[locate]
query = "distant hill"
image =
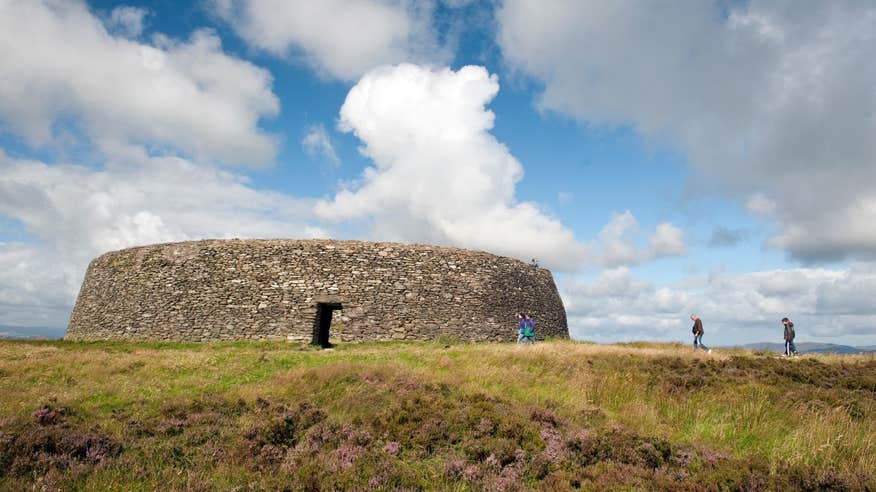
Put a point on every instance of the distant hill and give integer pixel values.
(810, 348)
(17, 332)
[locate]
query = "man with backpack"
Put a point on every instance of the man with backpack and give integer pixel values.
(790, 349)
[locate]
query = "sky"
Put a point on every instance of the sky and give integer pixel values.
(661, 159)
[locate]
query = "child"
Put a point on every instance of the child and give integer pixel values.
(521, 327)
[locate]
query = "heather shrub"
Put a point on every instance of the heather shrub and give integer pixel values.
(49, 443)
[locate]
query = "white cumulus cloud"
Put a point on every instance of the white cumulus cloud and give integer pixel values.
(439, 175)
(127, 20)
(317, 142)
(616, 244)
(35, 289)
(827, 305)
(667, 241)
(770, 99)
(62, 67)
(74, 213)
(341, 39)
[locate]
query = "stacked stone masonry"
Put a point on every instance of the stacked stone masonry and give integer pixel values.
(270, 289)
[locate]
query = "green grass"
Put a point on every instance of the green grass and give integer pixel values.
(443, 415)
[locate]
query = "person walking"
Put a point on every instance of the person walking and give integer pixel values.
(697, 330)
(529, 328)
(521, 328)
(790, 348)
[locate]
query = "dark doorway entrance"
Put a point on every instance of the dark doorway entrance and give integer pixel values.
(323, 322)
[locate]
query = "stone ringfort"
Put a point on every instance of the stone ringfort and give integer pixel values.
(308, 290)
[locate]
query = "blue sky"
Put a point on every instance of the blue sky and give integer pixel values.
(660, 160)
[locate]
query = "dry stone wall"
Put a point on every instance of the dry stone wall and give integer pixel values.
(270, 289)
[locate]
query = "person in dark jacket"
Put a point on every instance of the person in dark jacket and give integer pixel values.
(697, 330)
(790, 349)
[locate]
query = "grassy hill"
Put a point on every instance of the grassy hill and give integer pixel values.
(809, 348)
(561, 415)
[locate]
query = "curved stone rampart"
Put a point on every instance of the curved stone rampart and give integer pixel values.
(276, 289)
